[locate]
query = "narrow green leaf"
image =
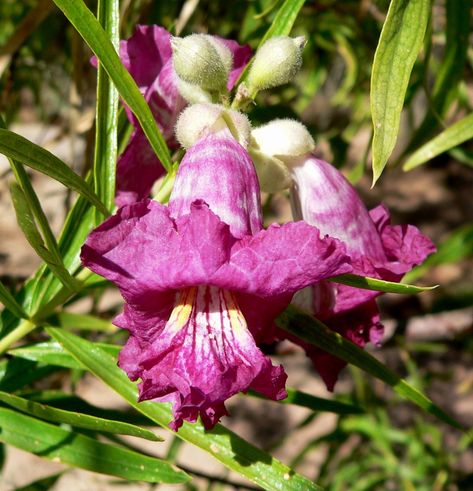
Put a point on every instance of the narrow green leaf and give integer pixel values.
(52, 353)
(27, 224)
(454, 135)
(457, 247)
(399, 44)
(61, 445)
(367, 283)
(22, 150)
(94, 35)
(71, 402)
(10, 302)
(70, 320)
(309, 401)
(16, 373)
(106, 144)
(450, 72)
(75, 419)
(227, 447)
(36, 209)
(43, 484)
(314, 332)
(281, 26)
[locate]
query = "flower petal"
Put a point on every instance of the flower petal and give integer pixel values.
(204, 355)
(145, 53)
(282, 260)
(137, 170)
(218, 170)
(324, 198)
(144, 251)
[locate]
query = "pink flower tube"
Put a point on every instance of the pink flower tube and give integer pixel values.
(203, 281)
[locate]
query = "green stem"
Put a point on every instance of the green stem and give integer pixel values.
(24, 328)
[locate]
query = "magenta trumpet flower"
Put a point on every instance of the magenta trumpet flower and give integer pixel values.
(324, 198)
(147, 55)
(203, 282)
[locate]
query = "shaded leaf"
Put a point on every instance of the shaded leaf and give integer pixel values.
(315, 332)
(27, 224)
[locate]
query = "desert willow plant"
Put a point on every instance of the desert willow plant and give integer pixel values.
(205, 285)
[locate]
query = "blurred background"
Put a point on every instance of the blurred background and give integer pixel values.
(47, 94)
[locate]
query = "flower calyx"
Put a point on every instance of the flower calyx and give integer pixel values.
(276, 146)
(200, 119)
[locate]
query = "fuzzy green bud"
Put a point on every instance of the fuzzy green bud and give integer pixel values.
(199, 60)
(276, 62)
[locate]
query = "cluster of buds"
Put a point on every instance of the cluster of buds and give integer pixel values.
(203, 281)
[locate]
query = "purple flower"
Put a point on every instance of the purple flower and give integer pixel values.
(203, 282)
(324, 198)
(147, 55)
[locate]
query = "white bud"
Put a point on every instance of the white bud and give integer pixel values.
(200, 119)
(283, 138)
(197, 61)
(192, 93)
(225, 54)
(273, 174)
(272, 148)
(276, 62)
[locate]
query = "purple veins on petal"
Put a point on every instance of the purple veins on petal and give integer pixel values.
(324, 198)
(203, 283)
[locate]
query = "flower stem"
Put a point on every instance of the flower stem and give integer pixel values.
(25, 327)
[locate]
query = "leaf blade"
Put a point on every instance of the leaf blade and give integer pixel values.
(94, 35)
(106, 133)
(55, 443)
(234, 452)
(453, 136)
(367, 283)
(22, 150)
(315, 332)
(78, 420)
(399, 44)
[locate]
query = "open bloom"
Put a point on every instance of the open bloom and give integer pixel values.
(203, 282)
(147, 55)
(322, 197)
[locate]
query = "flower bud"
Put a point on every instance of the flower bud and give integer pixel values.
(272, 148)
(200, 60)
(199, 119)
(276, 62)
(192, 93)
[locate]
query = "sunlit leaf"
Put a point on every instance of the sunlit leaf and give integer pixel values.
(454, 135)
(106, 132)
(399, 44)
(367, 283)
(65, 446)
(94, 35)
(315, 332)
(227, 447)
(22, 150)
(76, 419)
